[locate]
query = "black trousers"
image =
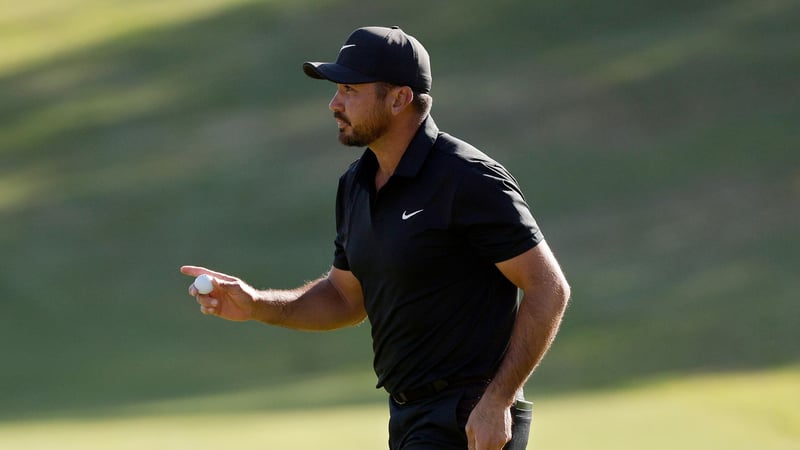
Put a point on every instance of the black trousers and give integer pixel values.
(438, 423)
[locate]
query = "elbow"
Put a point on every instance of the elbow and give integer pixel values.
(563, 293)
(566, 291)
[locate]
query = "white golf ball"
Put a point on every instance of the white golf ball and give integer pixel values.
(204, 284)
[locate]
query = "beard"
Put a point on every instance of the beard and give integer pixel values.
(365, 133)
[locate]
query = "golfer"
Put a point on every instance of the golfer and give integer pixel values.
(434, 240)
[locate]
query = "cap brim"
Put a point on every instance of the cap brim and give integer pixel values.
(336, 73)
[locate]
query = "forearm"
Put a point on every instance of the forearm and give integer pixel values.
(535, 328)
(316, 306)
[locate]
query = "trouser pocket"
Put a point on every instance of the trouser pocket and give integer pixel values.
(521, 416)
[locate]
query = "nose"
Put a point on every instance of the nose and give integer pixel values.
(336, 103)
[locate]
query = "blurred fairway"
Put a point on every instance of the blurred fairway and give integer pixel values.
(657, 144)
(741, 412)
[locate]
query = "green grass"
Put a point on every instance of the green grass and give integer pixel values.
(743, 411)
(336, 428)
(657, 146)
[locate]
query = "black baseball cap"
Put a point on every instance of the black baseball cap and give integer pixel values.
(378, 54)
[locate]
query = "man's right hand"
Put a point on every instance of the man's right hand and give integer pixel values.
(231, 298)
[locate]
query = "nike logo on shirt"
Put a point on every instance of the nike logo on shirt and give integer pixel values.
(407, 216)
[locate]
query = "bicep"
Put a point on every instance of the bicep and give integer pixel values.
(534, 268)
(349, 289)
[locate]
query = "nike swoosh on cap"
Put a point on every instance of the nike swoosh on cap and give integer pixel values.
(346, 46)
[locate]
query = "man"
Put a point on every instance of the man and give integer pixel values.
(433, 241)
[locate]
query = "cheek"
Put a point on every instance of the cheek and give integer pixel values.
(355, 111)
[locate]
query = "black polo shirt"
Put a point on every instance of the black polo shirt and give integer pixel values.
(424, 248)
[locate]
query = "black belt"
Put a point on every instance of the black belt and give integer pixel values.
(433, 388)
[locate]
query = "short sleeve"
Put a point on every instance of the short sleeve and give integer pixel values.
(491, 212)
(339, 255)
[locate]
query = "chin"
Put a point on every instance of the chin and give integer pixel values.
(349, 141)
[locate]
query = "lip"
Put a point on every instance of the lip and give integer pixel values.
(341, 121)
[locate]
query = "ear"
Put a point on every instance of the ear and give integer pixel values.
(401, 98)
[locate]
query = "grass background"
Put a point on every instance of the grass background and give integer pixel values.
(657, 144)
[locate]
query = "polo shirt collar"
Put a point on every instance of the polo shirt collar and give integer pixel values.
(413, 158)
(418, 149)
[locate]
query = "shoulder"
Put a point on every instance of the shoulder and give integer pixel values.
(470, 164)
(449, 146)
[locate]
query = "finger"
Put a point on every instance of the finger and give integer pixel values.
(208, 311)
(194, 271)
(217, 286)
(207, 302)
(225, 284)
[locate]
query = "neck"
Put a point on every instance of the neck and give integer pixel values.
(390, 148)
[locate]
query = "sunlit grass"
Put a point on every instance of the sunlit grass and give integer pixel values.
(726, 412)
(741, 411)
(335, 428)
(37, 30)
(18, 187)
(102, 107)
